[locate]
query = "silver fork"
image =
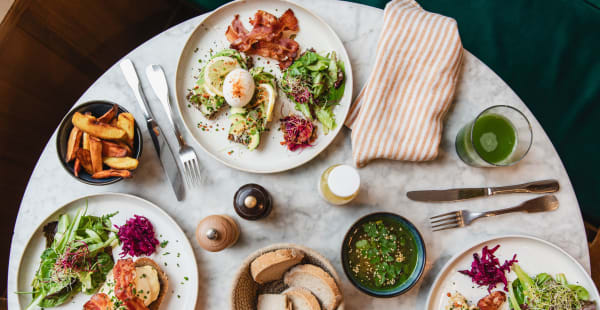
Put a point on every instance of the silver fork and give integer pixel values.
(187, 155)
(463, 218)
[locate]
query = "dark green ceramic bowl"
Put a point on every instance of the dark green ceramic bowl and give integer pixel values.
(414, 276)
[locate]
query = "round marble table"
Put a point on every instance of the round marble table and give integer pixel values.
(299, 215)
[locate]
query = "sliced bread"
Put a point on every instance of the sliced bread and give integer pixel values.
(317, 281)
(272, 265)
(302, 299)
(273, 302)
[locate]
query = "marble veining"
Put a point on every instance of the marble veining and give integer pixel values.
(299, 215)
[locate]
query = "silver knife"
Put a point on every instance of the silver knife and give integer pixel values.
(538, 187)
(163, 148)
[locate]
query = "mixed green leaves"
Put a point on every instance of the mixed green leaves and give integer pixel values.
(316, 84)
(75, 259)
(545, 292)
(381, 250)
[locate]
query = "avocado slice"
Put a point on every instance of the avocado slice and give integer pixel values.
(254, 140)
(237, 128)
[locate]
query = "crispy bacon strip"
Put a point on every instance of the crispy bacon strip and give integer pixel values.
(124, 272)
(99, 301)
(269, 37)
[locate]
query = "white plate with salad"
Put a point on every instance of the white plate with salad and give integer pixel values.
(89, 238)
(538, 275)
(263, 86)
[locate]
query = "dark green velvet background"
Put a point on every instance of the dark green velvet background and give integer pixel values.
(548, 51)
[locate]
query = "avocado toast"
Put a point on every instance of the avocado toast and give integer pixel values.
(249, 122)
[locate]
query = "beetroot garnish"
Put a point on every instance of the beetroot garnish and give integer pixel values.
(297, 132)
(487, 271)
(137, 237)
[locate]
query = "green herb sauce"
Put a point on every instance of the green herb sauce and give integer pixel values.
(382, 255)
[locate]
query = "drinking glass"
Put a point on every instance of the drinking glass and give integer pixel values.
(499, 136)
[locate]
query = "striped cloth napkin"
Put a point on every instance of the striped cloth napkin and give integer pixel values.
(398, 114)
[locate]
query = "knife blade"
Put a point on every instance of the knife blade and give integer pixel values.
(447, 194)
(163, 148)
(456, 194)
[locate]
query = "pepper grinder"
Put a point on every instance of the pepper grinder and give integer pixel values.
(252, 202)
(217, 232)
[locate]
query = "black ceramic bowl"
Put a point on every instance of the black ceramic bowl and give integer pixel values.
(413, 276)
(97, 108)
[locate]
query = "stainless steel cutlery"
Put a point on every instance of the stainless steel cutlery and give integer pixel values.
(163, 149)
(187, 155)
(463, 218)
(538, 187)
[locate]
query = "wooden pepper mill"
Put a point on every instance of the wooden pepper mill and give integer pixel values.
(217, 232)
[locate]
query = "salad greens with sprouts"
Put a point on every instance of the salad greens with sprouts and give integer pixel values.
(545, 292)
(316, 84)
(77, 258)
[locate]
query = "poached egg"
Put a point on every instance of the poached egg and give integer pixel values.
(238, 88)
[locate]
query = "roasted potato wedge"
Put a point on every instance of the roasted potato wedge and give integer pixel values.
(126, 163)
(111, 173)
(126, 122)
(97, 129)
(86, 141)
(96, 154)
(109, 115)
(73, 143)
(111, 149)
(77, 167)
(125, 146)
(85, 160)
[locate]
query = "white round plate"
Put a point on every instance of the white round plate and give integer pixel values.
(178, 264)
(209, 37)
(534, 255)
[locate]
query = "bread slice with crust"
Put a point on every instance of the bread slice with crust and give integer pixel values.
(302, 299)
(162, 279)
(273, 302)
(272, 265)
(317, 281)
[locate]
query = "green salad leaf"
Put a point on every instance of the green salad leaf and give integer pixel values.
(75, 261)
(545, 292)
(316, 84)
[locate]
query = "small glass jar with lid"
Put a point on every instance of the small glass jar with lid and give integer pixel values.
(339, 184)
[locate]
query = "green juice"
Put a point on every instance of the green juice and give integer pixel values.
(493, 140)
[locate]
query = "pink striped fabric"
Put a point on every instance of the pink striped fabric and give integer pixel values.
(398, 114)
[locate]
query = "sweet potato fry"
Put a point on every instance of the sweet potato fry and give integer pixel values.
(73, 143)
(85, 160)
(126, 122)
(111, 173)
(126, 163)
(96, 154)
(109, 115)
(77, 167)
(97, 129)
(111, 149)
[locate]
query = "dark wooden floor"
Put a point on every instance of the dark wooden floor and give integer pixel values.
(51, 51)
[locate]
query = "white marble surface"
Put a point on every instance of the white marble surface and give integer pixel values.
(299, 215)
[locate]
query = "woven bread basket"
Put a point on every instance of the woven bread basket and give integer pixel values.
(244, 291)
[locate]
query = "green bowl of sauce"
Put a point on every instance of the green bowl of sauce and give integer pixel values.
(383, 254)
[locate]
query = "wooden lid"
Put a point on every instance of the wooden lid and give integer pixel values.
(252, 202)
(217, 232)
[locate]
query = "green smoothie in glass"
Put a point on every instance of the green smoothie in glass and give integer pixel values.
(491, 139)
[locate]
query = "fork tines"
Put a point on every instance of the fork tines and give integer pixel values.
(446, 221)
(192, 172)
